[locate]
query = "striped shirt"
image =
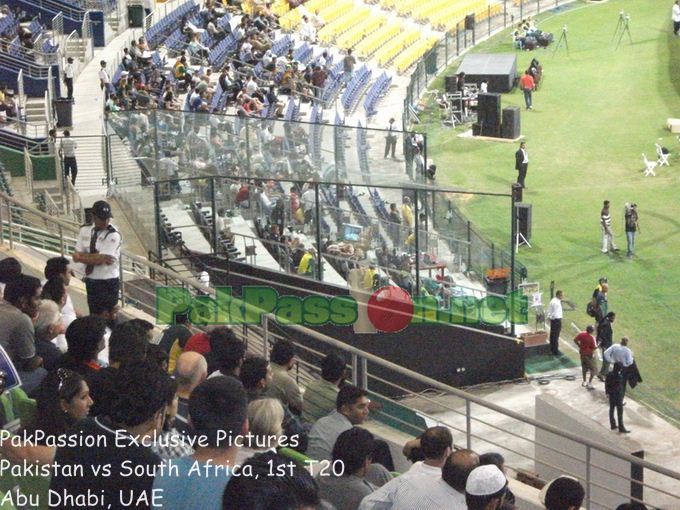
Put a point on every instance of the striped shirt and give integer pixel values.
(428, 494)
(383, 498)
(606, 217)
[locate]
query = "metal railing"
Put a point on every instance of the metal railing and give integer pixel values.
(476, 422)
(21, 99)
(28, 168)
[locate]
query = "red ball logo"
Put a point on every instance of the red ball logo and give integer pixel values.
(390, 309)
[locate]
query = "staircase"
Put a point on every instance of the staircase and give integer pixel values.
(76, 48)
(35, 110)
(91, 156)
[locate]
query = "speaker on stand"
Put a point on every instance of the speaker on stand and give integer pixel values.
(517, 192)
(523, 222)
(470, 21)
(450, 83)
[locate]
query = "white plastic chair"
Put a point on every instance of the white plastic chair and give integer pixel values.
(649, 166)
(663, 158)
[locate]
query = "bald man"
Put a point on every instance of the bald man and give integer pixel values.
(446, 491)
(190, 371)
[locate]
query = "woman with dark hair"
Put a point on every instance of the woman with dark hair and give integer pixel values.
(85, 339)
(63, 400)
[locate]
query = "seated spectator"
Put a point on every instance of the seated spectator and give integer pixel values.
(259, 490)
(307, 30)
(427, 489)
(85, 340)
(497, 460)
(256, 376)
(218, 410)
(226, 353)
(62, 402)
(195, 47)
(10, 269)
(47, 327)
(485, 488)
(190, 371)
(181, 72)
(127, 344)
(214, 31)
(353, 450)
(562, 493)
(436, 445)
(265, 416)
(351, 408)
(320, 395)
(169, 102)
(17, 334)
(178, 332)
(142, 394)
(283, 385)
(61, 266)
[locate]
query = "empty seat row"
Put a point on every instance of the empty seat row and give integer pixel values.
(377, 90)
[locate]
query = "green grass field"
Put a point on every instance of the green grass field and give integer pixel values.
(596, 111)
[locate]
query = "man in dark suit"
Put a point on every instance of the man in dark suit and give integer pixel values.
(521, 163)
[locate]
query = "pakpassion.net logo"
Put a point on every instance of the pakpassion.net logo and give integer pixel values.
(389, 309)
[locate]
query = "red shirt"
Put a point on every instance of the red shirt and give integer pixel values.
(200, 343)
(527, 82)
(586, 343)
(243, 194)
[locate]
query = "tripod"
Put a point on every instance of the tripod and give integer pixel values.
(625, 29)
(622, 17)
(563, 39)
(519, 237)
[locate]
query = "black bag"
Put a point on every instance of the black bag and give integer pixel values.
(591, 308)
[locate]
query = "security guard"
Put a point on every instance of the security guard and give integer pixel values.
(98, 247)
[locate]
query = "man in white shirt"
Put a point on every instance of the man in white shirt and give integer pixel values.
(98, 247)
(307, 30)
(391, 138)
(104, 78)
(68, 153)
(60, 266)
(434, 492)
(555, 315)
(68, 77)
(246, 53)
(620, 353)
(436, 444)
(676, 17)
(251, 86)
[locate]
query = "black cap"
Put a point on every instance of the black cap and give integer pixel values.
(102, 210)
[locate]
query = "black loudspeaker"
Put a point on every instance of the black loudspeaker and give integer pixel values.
(511, 124)
(523, 212)
(470, 21)
(450, 84)
(476, 129)
(517, 192)
(489, 114)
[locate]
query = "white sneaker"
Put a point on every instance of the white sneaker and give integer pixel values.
(604, 251)
(590, 386)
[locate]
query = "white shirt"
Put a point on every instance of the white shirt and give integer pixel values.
(251, 87)
(68, 147)
(555, 309)
(618, 353)
(307, 31)
(103, 356)
(382, 499)
(308, 199)
(483, 87)
(525, 155)
(68, 70)
(676, 13)
(424, 493)
(104, 75)
(108, 243)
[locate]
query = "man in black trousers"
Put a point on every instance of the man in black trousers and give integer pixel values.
(555, 313)
(521, 163)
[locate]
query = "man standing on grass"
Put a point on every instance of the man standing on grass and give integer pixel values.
(586, 348)
(528, 85)
(632, 226)
(607, 232)
(522, 163)
(676, 17)
(555, 316)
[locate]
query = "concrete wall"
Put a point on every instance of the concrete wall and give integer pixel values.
(610, 484)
